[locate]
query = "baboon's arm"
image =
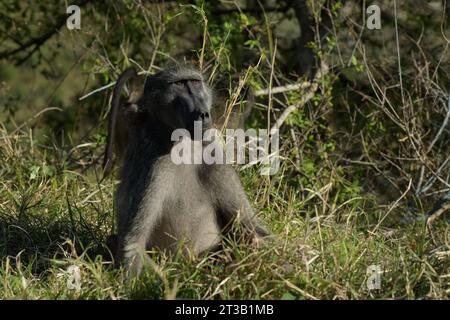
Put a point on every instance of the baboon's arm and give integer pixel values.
(143, 224)
(232, 201)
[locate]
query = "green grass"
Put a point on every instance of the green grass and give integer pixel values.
(55, 213)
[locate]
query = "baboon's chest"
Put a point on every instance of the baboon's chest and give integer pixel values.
(188, 213)
(187, 191)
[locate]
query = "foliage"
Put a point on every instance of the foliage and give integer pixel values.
(363, 160)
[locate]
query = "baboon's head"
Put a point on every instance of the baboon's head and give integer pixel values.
(178, 97)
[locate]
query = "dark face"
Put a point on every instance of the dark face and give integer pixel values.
(179, 98)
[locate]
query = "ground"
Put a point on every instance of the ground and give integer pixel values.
(55, 218)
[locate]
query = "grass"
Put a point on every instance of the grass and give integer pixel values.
(374, 130)
(55, 213)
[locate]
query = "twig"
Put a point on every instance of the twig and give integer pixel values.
(305, 98)
(97, 90)
(37, 115)
(302, 292)
(439, 208)
(105, 87)
(288, 87)
(220, 11)
(442, 128)
(36, 42)
(394, 205)
(432, 180)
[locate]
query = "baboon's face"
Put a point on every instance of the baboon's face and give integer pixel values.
(180, 98)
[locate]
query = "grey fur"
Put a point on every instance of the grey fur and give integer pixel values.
(160, 204)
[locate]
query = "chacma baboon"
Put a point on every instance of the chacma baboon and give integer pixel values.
(160, 204)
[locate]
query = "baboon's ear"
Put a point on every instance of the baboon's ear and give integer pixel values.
(133, 107)
(136, 86)
(129, 110)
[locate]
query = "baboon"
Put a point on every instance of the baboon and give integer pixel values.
(121, 116)
(160, 204)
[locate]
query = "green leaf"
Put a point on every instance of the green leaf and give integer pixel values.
(287, 296)
(34, 172)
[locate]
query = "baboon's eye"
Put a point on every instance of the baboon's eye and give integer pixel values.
(195, 83)
(179, 83)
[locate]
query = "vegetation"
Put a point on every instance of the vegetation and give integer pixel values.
(365, 159)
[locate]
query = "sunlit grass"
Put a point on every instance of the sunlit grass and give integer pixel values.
(53, 216)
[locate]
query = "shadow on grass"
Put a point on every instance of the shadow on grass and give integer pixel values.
(39, 239)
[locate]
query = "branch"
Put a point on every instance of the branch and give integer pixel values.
(97, 90)
(439, 208)
(435, 176)
(105, 87)
(36, 42)
(308, 95)
(444, 124)
(288, 87)
(220, 11)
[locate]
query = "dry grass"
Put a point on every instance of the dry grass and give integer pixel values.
(52, 217)
(362, 162)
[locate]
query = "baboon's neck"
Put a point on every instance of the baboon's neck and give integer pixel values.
(154, 137)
